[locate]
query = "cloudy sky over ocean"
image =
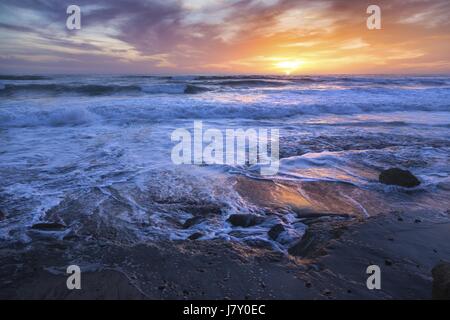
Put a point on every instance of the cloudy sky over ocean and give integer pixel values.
(233, 36)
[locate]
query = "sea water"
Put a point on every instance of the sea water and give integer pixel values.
(94, 153)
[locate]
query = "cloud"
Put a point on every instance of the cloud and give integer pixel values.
(356, 43)
(179, 36)
(430, 15)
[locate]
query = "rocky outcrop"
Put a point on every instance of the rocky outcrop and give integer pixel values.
(441, 281)
(195, 236)
(399, 177)
(244, 220)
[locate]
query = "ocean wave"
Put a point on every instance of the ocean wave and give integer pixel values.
(55, 118)
(191, 89)
(252, 83)
(173, 88)
(241, 77)
(146, 77)
(86, 89)
(396, 81)
(365, 124)
(98, 90)
(149, 84)
(23, 77)
(151, 108)
(331, 81)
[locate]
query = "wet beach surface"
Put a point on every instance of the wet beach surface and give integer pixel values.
(86, 179)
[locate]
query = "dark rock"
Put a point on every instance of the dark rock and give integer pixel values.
(244, 220)
(315, 240)
(50, 226)
(195, 236)
(417, 221)
(204, 210)
(301, 248)
(2, 215)
(399, 177)
(275, 231)
(388, 262)
(441, 281)
(192, 221)
(259, 243)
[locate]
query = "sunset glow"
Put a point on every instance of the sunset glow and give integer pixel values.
(288, 66)
(226, 37)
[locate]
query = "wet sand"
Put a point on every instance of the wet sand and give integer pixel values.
(331, 265)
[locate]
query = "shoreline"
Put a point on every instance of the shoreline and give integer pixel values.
(333, 268)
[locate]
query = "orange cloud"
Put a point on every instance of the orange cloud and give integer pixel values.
(253, 36)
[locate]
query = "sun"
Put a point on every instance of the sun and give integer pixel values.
(288, 66)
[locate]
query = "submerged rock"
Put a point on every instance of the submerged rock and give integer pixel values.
(2, 215)
(195, 236)
(244, 220)
(203, 210)
(50, 226)
(399, 177)
(192, 222)
(275, 231)
(441, 281)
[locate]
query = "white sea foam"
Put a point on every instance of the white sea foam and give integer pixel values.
(106, 140)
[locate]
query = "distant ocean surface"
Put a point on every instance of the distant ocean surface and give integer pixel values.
(93, 153)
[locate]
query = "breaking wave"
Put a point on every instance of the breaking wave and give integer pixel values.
(252, 83)
(22, 77)
(98, 90)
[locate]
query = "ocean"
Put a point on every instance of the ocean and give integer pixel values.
(92, 154)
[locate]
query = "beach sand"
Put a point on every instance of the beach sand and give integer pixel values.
(332, 266)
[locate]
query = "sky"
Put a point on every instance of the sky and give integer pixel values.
(225, 37)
